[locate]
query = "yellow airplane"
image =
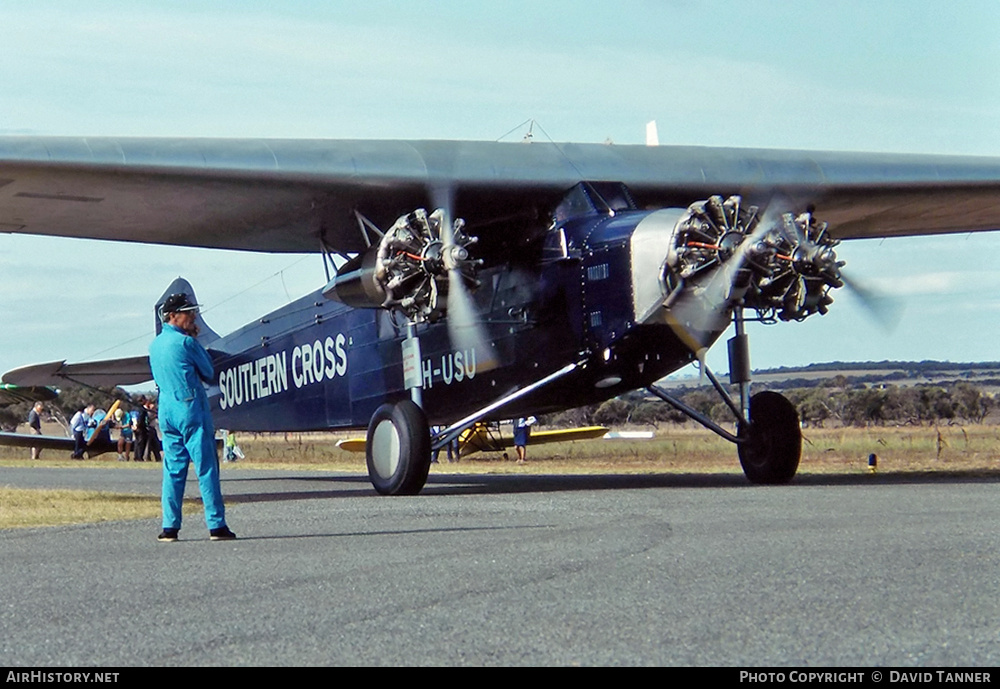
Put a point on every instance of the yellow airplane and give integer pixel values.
(486, 437)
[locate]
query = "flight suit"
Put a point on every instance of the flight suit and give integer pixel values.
(180, 364)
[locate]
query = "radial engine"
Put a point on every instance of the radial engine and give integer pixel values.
(411, 269)
(779, 264)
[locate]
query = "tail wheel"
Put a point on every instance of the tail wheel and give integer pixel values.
(398, 449)
(772, 440)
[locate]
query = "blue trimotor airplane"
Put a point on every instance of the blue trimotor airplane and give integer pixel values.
(470, 281)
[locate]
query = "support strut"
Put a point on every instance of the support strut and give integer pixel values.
(412, 378)
(447, 435)
(694, 414)
(739, 363)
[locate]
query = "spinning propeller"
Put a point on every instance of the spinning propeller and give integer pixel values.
(464, 325)
(727, 254)
(421, 269)
(817, 253)
(883, 309)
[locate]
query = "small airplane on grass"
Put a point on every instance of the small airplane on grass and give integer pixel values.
(98, 436)
(15, 394)
(486, 437)
(470, 281)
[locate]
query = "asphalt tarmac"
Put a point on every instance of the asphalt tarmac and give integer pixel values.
(489, 570)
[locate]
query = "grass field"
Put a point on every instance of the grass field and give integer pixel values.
(965, 450)
(673, 449)
(22, 507)
(686, 449)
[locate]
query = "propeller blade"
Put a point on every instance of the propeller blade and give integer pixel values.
(464, 324)
(704, 306)
(885, 310)
(774, 217)
(703, 309)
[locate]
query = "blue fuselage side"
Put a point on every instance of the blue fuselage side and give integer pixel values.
(318, 364)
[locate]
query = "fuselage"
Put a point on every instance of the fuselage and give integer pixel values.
(588, 289)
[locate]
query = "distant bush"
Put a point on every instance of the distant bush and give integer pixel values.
(836, 401)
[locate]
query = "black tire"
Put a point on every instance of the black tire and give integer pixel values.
(772, 441)
(398, 449)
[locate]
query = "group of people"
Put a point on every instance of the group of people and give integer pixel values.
(136, 431)
(144, 438)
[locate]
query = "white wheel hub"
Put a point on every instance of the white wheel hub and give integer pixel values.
(385, 449)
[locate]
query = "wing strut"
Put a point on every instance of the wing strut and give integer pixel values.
(447, 435)
(367, 226)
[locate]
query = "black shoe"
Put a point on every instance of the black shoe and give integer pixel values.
(168, 535)
(222, 534)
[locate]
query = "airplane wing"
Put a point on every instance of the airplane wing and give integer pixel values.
(479, 439)
(352, 444)
(53, 442)
(560, 436)
(12, 394)
(110, 372)
(293, 195)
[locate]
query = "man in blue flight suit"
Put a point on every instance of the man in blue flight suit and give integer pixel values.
(180, 364)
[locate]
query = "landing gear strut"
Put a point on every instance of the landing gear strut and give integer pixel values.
(768, 436)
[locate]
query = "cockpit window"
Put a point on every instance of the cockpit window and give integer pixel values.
(554, 247)
(590, 198)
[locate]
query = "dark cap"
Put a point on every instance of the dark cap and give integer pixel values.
(178, 302)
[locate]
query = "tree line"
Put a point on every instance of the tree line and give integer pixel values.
(838, 402)
(818, 406)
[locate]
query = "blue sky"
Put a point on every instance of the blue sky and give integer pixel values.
(888, 76)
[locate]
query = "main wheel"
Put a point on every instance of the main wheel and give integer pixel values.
(772, 440)
(398, 449)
